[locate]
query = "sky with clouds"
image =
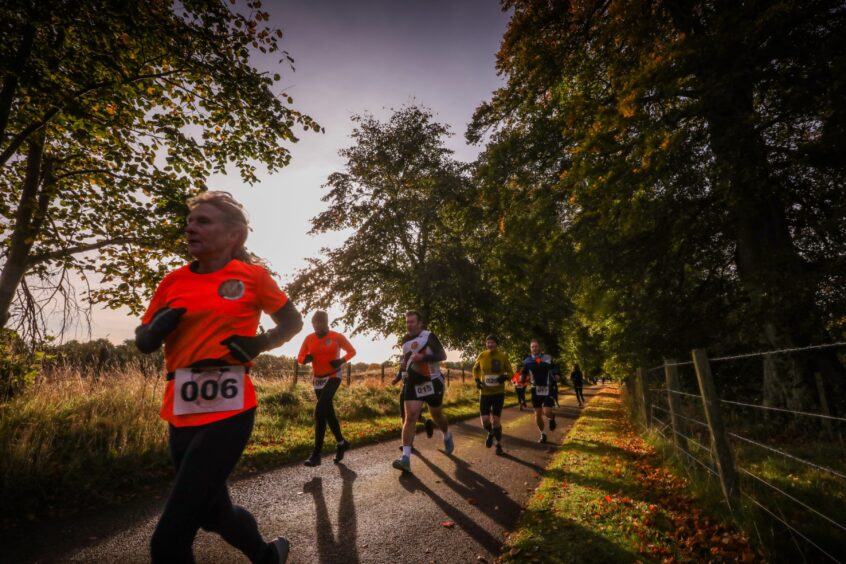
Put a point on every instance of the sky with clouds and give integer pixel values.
(353, 58)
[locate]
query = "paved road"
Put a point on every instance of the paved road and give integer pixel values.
(359, 511)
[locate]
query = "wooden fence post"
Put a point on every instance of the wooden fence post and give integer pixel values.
(382, 370)
(296, 371)
(643, 397)
(349, 374)
(719, 440)
(671, 374)
(447, 377)
(462, 374)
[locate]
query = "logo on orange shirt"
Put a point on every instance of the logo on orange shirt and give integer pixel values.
(231, 290)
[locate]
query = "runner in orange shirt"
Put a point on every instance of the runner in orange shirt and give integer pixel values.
(323, 350)
(520, 388)
(206, 315)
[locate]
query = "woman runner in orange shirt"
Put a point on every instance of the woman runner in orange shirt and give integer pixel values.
(206, 314)
(323, 350)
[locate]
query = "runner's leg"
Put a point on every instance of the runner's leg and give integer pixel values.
(539, 418)
(204, 457)
(409, 426)
(327, 404)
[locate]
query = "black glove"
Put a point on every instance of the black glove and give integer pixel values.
(246, 348)
(308, 359)
(502, 379)
(479, 384)
(397, 378)
(150, 336)
(336, 363)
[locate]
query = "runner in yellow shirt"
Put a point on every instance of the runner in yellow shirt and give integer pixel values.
(491, 371)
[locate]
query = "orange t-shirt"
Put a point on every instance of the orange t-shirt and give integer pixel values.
(323, 350)
(219, 304)
(517, 379)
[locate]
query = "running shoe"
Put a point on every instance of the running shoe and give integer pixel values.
(542, 438)
(280, 547)
(499, 450)
(449, 445)
(430, 428)
(313, 460)
(403, 463)
(552, 424)
(489, 441)
(340, 449)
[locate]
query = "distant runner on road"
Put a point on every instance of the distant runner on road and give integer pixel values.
(519, 388)
(422, 382)
(578, 382)
(491, 371)
(206, 315)
(540, 369)
(323, 350)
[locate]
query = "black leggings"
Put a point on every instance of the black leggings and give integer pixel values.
(324, 412)
(203, 457)
(521, 395)
(579, 395)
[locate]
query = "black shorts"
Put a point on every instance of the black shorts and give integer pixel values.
(542, 401)
(491, 404)
(431, 392)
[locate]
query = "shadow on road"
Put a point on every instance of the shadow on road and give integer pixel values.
(413, 484)
(526, 463)
(344, 547)
(490, 498)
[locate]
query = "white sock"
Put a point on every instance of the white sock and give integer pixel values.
(406, 451)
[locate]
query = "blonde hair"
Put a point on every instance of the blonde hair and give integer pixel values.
(235, 215)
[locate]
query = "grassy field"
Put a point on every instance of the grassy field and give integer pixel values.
(606, 498)
(72, 442)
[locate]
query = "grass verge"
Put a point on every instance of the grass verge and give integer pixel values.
(606, 498)
(73, 443)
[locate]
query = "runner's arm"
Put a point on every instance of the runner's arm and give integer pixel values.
(288, 323)
(477, 368)
(303, 357)
(347, 347)
(437, 354)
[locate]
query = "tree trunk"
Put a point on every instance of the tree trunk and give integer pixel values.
(780, 287)
(29, 218)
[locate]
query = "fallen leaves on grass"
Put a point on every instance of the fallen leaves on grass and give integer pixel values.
(607, 476)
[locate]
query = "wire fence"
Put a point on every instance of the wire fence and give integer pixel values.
(782, 469)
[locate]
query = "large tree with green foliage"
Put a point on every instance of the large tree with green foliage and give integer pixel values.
(405, 200)
(691, 147)
(111, 115)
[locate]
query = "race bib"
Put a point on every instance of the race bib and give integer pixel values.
(491, 380)
(320, 383)
(207, 390)
(423, 390)
(541, 390)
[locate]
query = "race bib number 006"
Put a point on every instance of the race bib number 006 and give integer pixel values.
(541, 390)
(208, 390)
(423, 390)
(320, 383)
(491, 380)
